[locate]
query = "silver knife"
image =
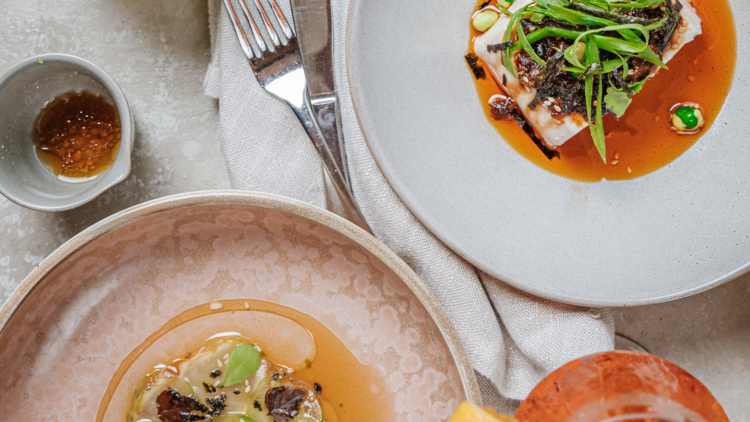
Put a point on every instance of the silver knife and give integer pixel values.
(314, 28)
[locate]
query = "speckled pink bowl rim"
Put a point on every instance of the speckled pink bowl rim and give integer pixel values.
(311, 212)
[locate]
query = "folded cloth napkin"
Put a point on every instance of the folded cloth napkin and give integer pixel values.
(513, 339)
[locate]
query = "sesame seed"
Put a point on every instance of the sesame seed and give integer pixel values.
(629, 170)
(617, 156)
(657, 118)
(695, 61)
(216, 306)
(247, 382)
(683, 29)
(614, 163)
(681, 40)
(226, 356)
(247, 389)
(550, 99)
(557, 108)
(528, 89)
(216, 384)
(247, 305)
(691, 79)
(218, 361)
(40, 61)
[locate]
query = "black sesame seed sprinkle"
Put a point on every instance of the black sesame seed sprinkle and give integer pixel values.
(317, 387)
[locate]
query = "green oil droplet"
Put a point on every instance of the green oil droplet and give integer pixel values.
(688, 117)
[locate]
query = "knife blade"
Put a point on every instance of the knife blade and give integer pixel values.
(314, 30)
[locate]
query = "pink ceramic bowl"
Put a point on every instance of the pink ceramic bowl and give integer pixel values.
(68, 328)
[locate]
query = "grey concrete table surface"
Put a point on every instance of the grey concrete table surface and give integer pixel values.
(158, 52)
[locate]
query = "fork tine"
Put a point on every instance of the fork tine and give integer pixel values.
(269, 25)
(280, 17)
(241, 36)
(256, 33)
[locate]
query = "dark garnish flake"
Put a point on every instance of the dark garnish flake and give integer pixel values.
(494, 48)
(215, 373)
(615, 17)
(209, 388)
(478, 70)
(550, 70)
(217, 404)
(317, 388)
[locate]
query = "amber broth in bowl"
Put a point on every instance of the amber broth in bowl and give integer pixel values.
(642, 141)
(348, 388)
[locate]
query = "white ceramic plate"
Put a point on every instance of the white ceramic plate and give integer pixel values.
(675, 232)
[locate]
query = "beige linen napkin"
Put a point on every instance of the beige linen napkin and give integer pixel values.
(513, 339)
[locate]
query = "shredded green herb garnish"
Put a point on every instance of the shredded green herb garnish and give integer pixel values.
(619, 36)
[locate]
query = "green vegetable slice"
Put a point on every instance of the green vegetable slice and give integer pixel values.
(506, 62)
(243, 363)
(617, 101)
(527, 47)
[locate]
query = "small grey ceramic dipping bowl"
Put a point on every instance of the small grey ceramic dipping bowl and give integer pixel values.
(23, 92)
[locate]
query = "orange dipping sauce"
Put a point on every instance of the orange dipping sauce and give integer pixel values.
(642, 141)
(77, 134)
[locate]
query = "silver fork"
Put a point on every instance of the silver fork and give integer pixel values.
(280, 72)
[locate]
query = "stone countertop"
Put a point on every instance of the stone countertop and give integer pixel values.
(158, 52)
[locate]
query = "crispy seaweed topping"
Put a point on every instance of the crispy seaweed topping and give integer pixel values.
(494, 48)
(550, 70)
(614, 17)
(473, 61)
(666, 31)
(573, 52)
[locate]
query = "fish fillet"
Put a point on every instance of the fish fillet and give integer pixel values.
(556, 132)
